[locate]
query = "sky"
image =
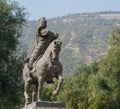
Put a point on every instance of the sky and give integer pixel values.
(58, 8)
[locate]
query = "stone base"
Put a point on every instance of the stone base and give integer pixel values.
(45, 105)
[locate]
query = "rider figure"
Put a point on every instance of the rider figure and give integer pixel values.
(43, 38)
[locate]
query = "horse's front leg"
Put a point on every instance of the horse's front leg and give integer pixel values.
(26, 91)
(40, 86)
(60, 82)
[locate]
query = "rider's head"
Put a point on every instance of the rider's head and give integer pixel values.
(43, 22)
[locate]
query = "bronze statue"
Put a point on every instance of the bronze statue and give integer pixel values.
(45, 69)
(43, 38)
(43, 64)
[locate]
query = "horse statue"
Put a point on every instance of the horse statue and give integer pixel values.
(45, 69)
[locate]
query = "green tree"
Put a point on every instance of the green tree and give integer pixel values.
(75, 90)
(108, 76)
(96, 86)
(12, 17)
(115, 39)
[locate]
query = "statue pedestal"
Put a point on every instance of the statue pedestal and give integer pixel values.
(45, 105)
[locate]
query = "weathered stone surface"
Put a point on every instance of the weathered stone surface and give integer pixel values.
(45, 105)
(46, 69)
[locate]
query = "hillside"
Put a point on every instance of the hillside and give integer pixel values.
(84, 36)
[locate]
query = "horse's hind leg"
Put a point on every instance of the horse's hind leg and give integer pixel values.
(26, 91)
(34, 94)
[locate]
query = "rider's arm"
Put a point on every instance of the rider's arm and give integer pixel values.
(48, 33)
(53, 35)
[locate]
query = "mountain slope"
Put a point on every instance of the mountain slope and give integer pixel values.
(84, 36)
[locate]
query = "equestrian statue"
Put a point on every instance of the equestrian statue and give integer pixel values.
(43, 63)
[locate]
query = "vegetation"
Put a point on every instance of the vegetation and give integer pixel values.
(96, 86)
(93, 86)
(12, 18)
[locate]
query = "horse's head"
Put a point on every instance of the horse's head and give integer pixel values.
(56, 50)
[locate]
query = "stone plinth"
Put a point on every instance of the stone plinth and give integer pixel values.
(45, 105)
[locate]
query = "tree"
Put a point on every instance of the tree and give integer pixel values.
(115, 39)
(12, 17)
(96, 86)
(109, 73)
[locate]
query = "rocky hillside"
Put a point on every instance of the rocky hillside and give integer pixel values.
(84, 36)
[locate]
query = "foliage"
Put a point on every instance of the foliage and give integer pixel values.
(115, 39)
(100, 102)
(96, 86)
(11, 21)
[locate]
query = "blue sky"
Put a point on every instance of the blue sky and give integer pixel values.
(56, 8)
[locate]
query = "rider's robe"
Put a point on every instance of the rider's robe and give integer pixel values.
(43, 38)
